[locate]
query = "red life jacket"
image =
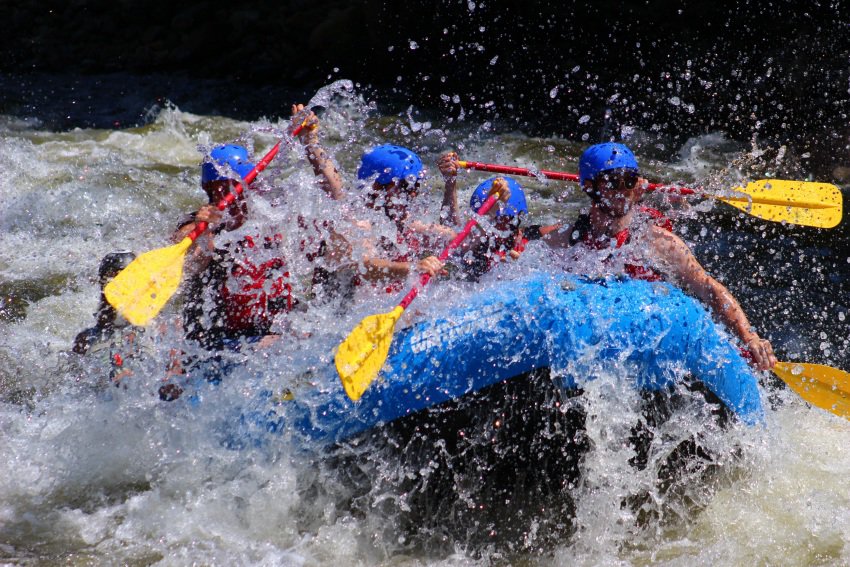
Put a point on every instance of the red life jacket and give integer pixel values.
(501, 254)
(312, 243)
(254, 293)
(633, 270)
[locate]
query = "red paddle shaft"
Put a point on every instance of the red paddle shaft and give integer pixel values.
(559, 175)
(494, 168)
(425, 278)
(239, 188)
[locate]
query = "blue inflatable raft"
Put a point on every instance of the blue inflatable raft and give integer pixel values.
(571, 326)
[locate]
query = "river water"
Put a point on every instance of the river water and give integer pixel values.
(93, 474)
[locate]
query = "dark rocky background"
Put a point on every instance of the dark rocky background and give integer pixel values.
(774, 70)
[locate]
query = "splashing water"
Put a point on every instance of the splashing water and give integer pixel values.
(98, 473)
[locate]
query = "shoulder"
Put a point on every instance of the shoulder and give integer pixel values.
(658, 218)
(665, 241)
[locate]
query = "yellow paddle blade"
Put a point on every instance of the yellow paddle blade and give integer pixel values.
(822, 386)
(362, 354)
(796, 202)
(141, 290)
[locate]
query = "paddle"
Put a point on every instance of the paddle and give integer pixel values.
(141, 290)
(804, 203)
(361, 355)
(822, 386)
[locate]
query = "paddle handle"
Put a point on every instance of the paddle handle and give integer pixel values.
(460, 237)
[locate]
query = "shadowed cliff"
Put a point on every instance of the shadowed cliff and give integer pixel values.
(772, 71)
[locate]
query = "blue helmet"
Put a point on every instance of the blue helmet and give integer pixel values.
(223, 157)
(605, 157)
(389, 162)
(514, 206)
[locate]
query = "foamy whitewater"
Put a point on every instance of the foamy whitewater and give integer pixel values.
(94, 474)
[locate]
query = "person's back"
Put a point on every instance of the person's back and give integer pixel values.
(393, 177)
(505, 236)
(112, 344)
(487, 248)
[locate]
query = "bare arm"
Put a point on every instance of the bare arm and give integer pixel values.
(323, 166)
(378, 269)
(679, 263)
(559, 236)
(436, 230)
(449, 209)
(200, 254)
(339, 249)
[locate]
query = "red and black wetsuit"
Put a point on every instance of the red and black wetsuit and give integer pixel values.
(256, 290)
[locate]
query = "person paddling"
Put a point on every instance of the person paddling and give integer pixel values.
(507, 237)
(208, 317)
(107, 318)
(237, 288)
(637, 241)
(397, 176)
(119, 348)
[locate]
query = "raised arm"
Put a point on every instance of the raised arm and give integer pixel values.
(448, 167)
(679, 263)
(323, 166)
